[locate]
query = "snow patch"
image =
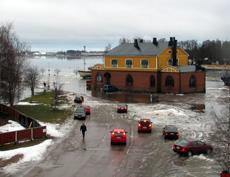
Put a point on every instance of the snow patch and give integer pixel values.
(27, 103)
(11, 126)
(33, 153)
(58, 130)
(202, 157)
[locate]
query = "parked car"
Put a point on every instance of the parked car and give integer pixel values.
(191, 147)
(225, 173)
(144, 125)
(170, 132)
(78, 99)
(110, 88)
(118, 135)
(80, 113)
(122, 108)
(87, 110)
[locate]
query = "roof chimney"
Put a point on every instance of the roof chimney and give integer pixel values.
(155, 41)
(174, 47)
(136, 44)
(170, 42)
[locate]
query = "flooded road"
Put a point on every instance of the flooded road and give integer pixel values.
(145, 155)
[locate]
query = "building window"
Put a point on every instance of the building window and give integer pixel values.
(129, 63)
(129, 80)
(169, 82)
(152, 81)
(107, 77)
(99, 77)
(192, 82)
(170, 62)
(144, 63)
(114, 63)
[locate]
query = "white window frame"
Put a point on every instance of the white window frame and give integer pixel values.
(127, 65)
(142, 65)
(113, 66)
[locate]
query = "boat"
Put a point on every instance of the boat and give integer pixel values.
(226, 78)
(85, 74)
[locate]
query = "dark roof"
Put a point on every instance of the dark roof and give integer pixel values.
(145, 49)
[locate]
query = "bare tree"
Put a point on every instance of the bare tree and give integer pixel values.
(42, 71)
(58, 90)
(32, 77)
(75, 72)
(124, 40)
(108, 47)
(12, 60)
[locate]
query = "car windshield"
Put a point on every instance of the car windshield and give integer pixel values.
(171, 129)
(182, 142)
(79, 110)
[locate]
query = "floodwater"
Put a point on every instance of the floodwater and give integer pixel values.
(71, 82)
(144, 155)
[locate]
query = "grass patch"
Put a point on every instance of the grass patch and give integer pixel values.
(45, 98)
(44, 112)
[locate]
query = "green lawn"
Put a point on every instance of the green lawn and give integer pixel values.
(44, 112)
(43, 97)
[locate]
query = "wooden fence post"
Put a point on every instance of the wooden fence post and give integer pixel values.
(32, 134)
(16, 137)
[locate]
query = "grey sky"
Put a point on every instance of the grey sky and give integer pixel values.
(62, 24)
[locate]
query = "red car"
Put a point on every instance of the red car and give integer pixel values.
(122, 108)
(225, 173)
(87, 110)
(118, 135)
(144, 125)
(191, 147)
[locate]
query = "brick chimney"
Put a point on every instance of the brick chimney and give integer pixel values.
(155, 41)
(136, 45)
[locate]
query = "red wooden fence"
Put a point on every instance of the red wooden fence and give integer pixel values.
(22, 135)
(34, 129)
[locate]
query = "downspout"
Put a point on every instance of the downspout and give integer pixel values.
(180, 82)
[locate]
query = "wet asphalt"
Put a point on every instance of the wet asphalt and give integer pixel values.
(145, 155)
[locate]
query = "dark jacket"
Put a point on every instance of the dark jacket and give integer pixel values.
(83, 128)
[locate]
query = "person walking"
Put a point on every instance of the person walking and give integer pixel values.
(83, 129)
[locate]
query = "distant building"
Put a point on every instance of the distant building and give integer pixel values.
(154, 67)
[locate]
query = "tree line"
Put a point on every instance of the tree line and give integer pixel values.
(207, 52)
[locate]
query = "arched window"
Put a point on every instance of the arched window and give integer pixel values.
(107, 78)
(152, 81)
(169, 82)
(129, 80)
(98, 77)
(192, 82)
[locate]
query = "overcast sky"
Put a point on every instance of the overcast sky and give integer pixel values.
(71, 24)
